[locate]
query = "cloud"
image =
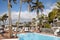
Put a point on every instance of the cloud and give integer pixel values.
(24, 16)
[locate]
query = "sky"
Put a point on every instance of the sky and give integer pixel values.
(25, 15)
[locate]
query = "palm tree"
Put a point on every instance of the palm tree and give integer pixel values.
(18, 18)
(28, 2)
(55, 13)
(52, 15)
(9, 14)
(37, 6)
(4, 18)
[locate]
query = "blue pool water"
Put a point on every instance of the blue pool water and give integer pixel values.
(36, 36)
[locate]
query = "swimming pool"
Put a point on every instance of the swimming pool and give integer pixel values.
(36, 36)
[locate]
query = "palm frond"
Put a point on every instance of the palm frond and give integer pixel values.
(41, 8)
(4, 17)
(14, 1)
(28, 1)
(33, 7)
(10, 1)
(38, 5)
(34, 3)
(58, 3)
(10, 5)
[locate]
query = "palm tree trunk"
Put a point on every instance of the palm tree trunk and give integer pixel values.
(37, 13)
(29, 7)
(37, 19)
(29, 10)
(19, 17)
(10, 21)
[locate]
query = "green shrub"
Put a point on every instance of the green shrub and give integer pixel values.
(47, 25)
(58, 18)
